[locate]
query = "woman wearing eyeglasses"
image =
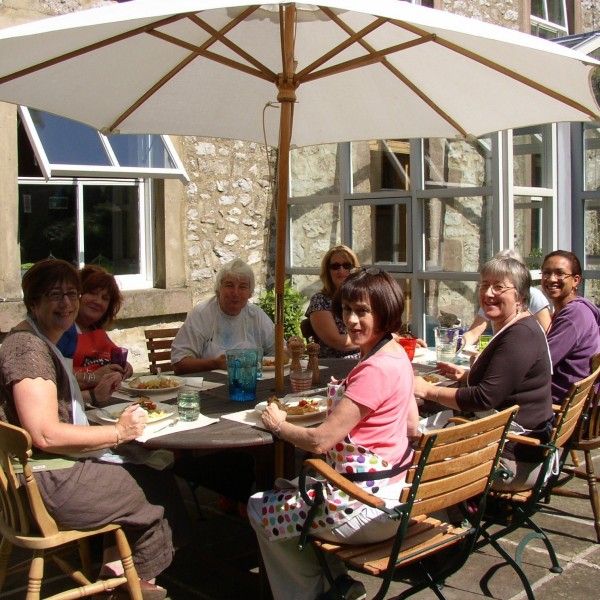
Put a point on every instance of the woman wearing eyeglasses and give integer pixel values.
(514, 369)
(573, 336)
(328, 327)
(86, 480)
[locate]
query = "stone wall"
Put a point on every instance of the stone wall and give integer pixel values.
(500, 12)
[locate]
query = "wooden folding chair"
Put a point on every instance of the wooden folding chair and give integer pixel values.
(585, 439)
(158, 342)
(449, 466)
(510, 511)
(25, 522)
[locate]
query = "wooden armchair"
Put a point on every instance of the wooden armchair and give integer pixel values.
(513, 510)
(585, 438)
(449, 466)
(25, 522)
(158, 342)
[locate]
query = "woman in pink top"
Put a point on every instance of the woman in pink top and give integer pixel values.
(365, 437)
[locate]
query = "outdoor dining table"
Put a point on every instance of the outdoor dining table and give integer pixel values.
(274, 457)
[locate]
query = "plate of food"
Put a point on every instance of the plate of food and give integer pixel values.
(156, 410)
(268, 363)
(300, 408)
(152, 384)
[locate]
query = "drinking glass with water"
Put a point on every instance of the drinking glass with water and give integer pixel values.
(188, 405)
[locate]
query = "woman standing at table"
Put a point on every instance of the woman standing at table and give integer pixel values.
(513, 369)
(328, 327)
(39, 393)
(573, 336)
(372, 420)
(86, 341)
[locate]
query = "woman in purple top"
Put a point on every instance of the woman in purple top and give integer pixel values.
(574, 335)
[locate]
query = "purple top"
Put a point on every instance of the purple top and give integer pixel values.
(573, 338)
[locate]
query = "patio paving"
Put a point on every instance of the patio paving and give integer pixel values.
(222, 563)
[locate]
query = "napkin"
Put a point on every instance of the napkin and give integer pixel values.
(194, 382)
(435, 421)
(169, 426)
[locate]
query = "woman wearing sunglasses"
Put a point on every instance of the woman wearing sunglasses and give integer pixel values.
(573, 336)
(514, 369)
(329, 329)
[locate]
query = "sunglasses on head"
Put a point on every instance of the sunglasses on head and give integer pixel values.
(335, 266)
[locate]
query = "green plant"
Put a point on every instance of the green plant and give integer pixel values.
(293, 303)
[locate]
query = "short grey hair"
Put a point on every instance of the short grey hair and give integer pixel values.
(236, 268)
(514, 270)
(509, 253)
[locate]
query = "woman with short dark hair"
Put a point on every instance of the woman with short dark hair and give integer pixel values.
(374, 413)
(39, 393)
(574, 335)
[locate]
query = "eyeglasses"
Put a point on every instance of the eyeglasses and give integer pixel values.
(336, 266)
(560, 276)
(497, 288)
(57, 295)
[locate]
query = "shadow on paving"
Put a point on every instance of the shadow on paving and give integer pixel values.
(222, 562)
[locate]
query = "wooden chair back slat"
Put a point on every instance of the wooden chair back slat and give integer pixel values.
(25, 507)
(443, 468)
(442, 501)
(580, 396)
(158, 343)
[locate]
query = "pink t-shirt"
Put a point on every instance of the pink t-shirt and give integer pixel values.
(383, 383)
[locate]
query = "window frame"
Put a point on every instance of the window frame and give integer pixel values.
(50, 170)
(144, 278)
(543, 23)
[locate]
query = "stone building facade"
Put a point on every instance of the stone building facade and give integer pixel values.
(226, 208)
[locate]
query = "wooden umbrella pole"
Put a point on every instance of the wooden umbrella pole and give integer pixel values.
(286, 96)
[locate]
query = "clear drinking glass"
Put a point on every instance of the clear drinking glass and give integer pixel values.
(188, 405)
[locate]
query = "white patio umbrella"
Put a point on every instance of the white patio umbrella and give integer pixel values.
(341, 70)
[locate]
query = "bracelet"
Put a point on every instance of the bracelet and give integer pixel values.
(89, 377)
(119, 440)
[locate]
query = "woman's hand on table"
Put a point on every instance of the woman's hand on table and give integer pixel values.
(273, 417)
(451, 371)
(421, 388)
(131, 423)
(106, 386)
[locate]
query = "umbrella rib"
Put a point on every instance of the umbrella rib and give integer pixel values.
(374, 57)
(415, 89)
(95, 46)
(486, 62)
(354, 37)
(196, 51)
(199, 51)
(220, 36)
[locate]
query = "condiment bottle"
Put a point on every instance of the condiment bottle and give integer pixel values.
(296, 347)
(313, 362)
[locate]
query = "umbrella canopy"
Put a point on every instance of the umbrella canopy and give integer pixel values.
(341, 70)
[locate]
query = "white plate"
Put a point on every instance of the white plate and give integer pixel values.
(116, 409)
(420, 351)
(271, 363)
(130, 385)
(260, 407)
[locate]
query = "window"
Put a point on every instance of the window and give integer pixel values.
(65, 147)
(86, 198)
(549, 18)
